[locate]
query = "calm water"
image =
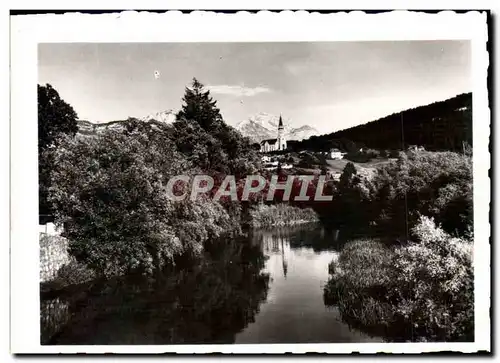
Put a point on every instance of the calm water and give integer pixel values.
(265, 289)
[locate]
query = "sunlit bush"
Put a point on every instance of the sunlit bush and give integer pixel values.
(434, 284)
(282, 214)
(423, 290)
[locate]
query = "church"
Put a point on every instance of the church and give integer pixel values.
(274, 144)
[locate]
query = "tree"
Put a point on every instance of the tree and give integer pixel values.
(199, 106)
(55, 118)
(109, 194)
(202, 134)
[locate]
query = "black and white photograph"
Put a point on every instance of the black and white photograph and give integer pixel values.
(324, 194)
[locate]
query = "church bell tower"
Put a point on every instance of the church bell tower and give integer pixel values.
(281, 141)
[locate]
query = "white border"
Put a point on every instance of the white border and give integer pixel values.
(28, 31)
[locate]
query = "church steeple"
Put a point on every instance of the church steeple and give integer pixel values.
(281, 138)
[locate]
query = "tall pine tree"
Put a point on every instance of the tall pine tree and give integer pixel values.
(199, 106)
(226, 148)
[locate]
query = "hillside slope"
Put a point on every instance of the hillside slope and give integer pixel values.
(443, 125)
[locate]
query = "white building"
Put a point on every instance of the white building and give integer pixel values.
(274, 144)
(336, 154)
(416, 148)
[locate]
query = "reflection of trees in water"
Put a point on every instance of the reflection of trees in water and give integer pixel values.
(284, 261)
(316, 236)
(207, 303)
(312, 236)
(273, 243)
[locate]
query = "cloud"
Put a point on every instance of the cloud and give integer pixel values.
(234, 90)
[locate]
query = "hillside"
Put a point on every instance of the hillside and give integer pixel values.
(441, 125)
(87, 128)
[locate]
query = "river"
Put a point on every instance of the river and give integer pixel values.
(266, 288)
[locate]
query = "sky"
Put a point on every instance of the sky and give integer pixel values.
(327, 85)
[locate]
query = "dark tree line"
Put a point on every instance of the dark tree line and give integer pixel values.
(55, 118)
(440, 126)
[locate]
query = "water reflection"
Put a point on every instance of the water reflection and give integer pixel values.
(267, 288)
(207, 303)
(294, 311)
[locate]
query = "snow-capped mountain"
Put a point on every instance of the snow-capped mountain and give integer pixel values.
(302, 132)
(167, 117)
(265, 126)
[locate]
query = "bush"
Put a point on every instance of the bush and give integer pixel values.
(361, 156)
(311, 161)
(394, 154)
(434, 284)
(360, 279)
(281, 214)
(420, 291)
(73, 273)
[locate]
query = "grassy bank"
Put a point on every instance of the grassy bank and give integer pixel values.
(264, 216)
(420, 291)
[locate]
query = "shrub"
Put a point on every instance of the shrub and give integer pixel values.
(434, 284)
(394, 154)
(73, 273)
(361, 156)
(420, 291)
(281, 214)
(360, 280)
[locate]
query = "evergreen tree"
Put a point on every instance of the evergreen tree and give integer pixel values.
(213, 144)
(199, 106)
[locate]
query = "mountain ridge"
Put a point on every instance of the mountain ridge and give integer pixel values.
(257, 127)
(264, 125)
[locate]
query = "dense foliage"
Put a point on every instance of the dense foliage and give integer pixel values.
(108, 190)
(435, 184)
(55, 118)
(420, 291)
(444, 125)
